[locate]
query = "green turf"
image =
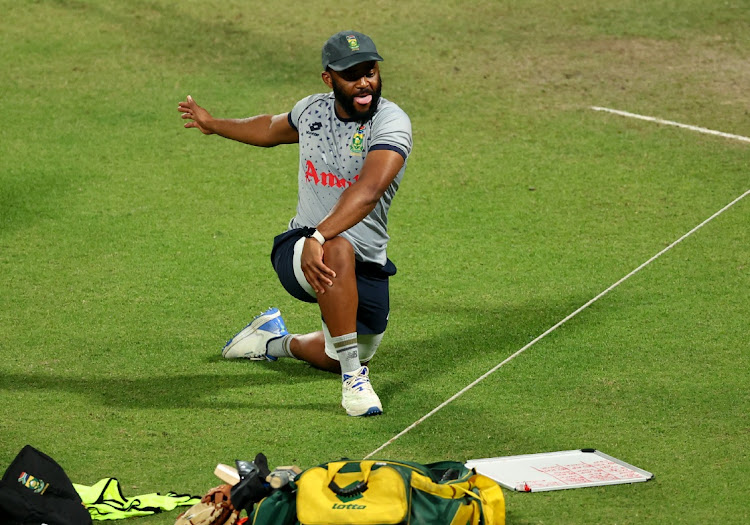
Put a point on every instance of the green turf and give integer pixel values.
(131, 249)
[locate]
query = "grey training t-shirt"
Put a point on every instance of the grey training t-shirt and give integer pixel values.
(332, 152)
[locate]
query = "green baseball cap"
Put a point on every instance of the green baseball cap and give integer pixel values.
(348, 48)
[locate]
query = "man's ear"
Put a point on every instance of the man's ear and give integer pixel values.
(326, 76)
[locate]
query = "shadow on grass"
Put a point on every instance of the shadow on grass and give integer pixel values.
(194, 390)
(445, 359)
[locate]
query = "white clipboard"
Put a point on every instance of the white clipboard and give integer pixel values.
(558, 470)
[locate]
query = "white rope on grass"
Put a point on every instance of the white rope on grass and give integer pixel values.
(554, 327)
(672, 123)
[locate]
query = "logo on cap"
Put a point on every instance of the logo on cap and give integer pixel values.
(353, 44)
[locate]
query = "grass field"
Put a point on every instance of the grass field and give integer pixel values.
(131, 249)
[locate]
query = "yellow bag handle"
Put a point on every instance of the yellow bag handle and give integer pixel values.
(491, 496)
(333, 468)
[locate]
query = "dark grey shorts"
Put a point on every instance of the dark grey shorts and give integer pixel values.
(372, 282)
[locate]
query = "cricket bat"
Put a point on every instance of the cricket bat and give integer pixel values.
(227, 474)
(278, 478)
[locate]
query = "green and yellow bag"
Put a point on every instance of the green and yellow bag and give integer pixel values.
(381, 492)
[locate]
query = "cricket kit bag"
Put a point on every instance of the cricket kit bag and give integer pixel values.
(35, 490)
(382, 492)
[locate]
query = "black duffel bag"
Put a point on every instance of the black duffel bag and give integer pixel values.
(35, 490)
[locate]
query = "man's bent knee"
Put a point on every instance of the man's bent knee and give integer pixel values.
(338, 252)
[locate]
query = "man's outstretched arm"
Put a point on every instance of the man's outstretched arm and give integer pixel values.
(262, 130)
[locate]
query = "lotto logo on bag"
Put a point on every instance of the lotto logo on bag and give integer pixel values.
(350, 506)
(32, 483)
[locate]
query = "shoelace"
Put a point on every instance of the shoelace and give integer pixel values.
(359, 382)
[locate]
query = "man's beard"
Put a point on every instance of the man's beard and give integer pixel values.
(347, 103)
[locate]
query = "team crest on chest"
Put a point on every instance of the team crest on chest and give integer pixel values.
(358, 141)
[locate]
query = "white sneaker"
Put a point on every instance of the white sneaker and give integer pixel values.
(251, 342)
(357, 395)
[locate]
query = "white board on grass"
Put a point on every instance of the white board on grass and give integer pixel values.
(558, 470)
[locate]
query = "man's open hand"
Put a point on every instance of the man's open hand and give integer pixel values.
(200, 117)
(316, 272)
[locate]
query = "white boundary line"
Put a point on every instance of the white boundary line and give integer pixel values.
(672, 123)
(556, 326)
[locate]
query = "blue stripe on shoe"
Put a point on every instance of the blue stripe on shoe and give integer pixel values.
(372, 411)
(274, 325)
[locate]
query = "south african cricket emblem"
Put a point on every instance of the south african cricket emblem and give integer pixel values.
(358, 141)
(353, 43)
